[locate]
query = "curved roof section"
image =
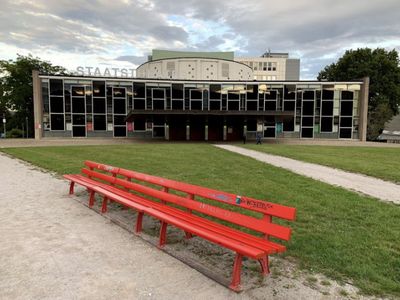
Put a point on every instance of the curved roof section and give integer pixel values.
(167, 54)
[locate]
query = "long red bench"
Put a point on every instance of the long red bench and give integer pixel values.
(132, 189)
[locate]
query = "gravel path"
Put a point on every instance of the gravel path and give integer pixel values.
(374, 187)
(52, 247)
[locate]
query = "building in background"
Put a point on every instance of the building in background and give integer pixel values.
(391, 132)
(198, 96)
(273, 66)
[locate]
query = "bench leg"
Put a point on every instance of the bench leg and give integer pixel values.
(71, 187)
(139, 222)
(91, 199)
(237, 268)
(104, 205)
(264, 265)
(163, 234)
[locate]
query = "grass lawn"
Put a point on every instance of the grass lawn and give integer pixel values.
(379, 162)
(339, 233)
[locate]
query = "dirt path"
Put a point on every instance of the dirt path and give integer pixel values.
(374, 187)
(53, 247)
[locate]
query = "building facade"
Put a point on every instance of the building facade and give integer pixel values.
(176, 109)
(273, 66)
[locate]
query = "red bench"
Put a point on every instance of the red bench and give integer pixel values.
(115, 184)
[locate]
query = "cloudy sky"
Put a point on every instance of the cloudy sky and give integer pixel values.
(121, 33)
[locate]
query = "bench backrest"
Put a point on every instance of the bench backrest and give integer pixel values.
(264, 225)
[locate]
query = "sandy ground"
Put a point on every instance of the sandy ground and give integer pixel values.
(53, 247)
(374, 187)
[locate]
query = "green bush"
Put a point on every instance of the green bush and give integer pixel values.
(15, 133)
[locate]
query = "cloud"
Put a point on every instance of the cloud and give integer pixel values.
(125, 31)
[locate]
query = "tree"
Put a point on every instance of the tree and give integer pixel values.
(384, 92)
(16, 92)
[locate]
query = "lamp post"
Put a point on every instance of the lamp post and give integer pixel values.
(4, 124)
(27, 131)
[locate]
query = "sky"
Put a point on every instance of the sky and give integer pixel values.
(121, 33)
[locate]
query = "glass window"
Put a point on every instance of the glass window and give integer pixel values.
(99, 122)
(78, 91)
(99, 105)
(158, 93)
(99, 88)
(57, 122)
(56, 87)
(177, 91)
(78, 105)
(119, 106)
(215, 92)
(119, 92)
(56, 104)
(290, 92)
(139, 90)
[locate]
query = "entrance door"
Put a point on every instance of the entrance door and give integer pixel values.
(78, 109)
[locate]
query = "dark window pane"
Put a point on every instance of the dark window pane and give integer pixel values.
(119, 92)
(326, 124)
(233, 105)
(78, 119)
(215, 91)
(57, 122)
(215, 105)
(345, 133)
(252, 105)
(78, 131)
(252, 91)
(158, 104)
(99, 122)
(347, 95)
(158, 93)
(119, 120)
(177, 91)
(346, 122)
(139, 104)
(232, 95)
(288, 124)
(139, 90)
(269, 105)
(308, 95)
(158, 131)
(119, 106)
(78, 105)
(120, 131)
(290, 92)
(195, 105)
(289, 105)
(346, 108)
(307, 132)
(327, 95)
(307, 121)
(139, 124)
(88, 104)
(269, 132)
(99, 105)
(99, 88)
(327, 108)
(270, 95)
(308, 108)
(56, 104)
(177, 104)
(78, 91)
(56, 87)
(67, 103)
(196, 94)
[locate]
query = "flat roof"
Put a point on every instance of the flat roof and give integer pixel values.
(200, 81)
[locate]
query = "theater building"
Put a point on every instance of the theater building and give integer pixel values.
(197, 96)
